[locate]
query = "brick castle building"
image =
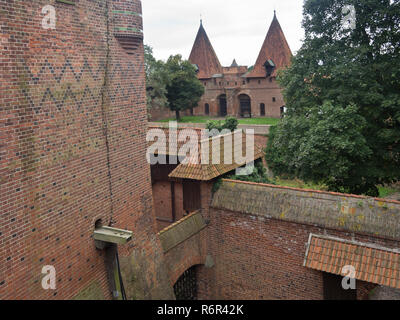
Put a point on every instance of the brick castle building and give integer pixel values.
(73, 125)
(238, 90)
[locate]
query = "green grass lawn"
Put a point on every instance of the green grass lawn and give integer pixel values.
(204, 119)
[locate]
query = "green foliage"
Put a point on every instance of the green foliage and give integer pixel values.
(342, 92)
(259, 175)
(205, 119)
(324, 146)
(184, 90)
(230, 123)
(156, 81)
(217, 184)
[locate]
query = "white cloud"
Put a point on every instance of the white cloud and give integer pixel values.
(236, 28)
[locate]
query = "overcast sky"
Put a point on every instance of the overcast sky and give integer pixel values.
(236, 28)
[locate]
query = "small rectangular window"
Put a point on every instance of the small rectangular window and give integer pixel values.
(273, 99)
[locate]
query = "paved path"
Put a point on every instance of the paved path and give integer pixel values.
(258, 129)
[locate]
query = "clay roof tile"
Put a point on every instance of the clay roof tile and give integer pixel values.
(204, 56)
(275, 48)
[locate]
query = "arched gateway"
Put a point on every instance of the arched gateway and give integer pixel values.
(186, 286)
(245, 106)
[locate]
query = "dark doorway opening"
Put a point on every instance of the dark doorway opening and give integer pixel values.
(245, 106)
(207, 109)
(223, 109)
(191, 196)
(333, 289)
(282, 111)
(186, 286)
(262, 109)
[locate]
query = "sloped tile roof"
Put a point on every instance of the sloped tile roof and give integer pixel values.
(372, 263)
(204, 56)
(196, 169)
(275, 48)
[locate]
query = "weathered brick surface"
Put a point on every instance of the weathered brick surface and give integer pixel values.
(259, 90)
(262, 258)
(333, 210)
(190, 253)
(72, 125)
(259, 253)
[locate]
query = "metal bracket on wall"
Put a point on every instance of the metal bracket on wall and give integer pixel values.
(106, 235)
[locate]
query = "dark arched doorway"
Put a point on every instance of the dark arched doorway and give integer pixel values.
(223, 109)
(207, 109)
(186, 286)
(262, 109)
(245, 106)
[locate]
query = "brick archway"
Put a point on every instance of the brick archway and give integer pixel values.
(185, 265)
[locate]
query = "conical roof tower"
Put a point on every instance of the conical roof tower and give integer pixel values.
(204, 56)
(234, 63)
(275, 48)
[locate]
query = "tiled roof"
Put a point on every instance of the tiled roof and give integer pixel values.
(275, 48)
(204, 56)
(173, 146)
(196, 169)
(372, 263)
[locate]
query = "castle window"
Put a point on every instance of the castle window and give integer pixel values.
(262, 109)
(259, 81)
(273, 99)
(244, 82)
(235, 83)
(205, 84)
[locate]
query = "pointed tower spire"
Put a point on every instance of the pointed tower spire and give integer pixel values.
(234, 63)
(275, 48)
(204, 56)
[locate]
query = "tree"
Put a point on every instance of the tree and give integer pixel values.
(230, 123)
(342, 92)
(184, 90)
(324, 146)
(156, 80)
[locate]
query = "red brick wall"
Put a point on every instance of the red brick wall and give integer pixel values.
(72, 125)
(259, 91)
(260, 258)
(190, 253)
(163, 204)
